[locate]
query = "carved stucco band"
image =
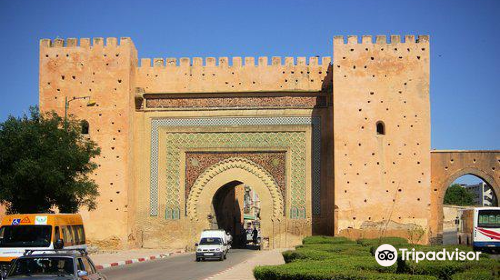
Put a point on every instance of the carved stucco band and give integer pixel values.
(235, 163)
(315, 122)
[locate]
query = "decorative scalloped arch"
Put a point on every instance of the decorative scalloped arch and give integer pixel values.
(235, 163)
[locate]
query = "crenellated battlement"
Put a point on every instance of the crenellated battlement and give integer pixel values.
(368, 56)
(237, 74)
(235, 61)
(381, 39)
(84, 42)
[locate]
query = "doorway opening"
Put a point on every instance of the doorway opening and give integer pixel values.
(465, 192)
(236, 209)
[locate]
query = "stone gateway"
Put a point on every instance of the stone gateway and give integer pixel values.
(300, 146)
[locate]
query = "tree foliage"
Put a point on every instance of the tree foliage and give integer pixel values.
(43, 165)
(457, 195)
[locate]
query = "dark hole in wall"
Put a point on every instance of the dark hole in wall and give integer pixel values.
(380, 128)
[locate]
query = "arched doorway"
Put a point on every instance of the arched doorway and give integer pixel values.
(465, 192)
(214, 201)
(236, 209)
(446, 167)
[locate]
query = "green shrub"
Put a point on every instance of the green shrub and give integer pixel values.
(342, 263)
(445, 269)
(313, 270)
(439, 269)
(334, 248)
(325, 251)
(293, 255)
(383, 240)
(476, 274)
(332, 258)
(357, 263)
(326, 240)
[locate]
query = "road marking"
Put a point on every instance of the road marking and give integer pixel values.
(224, 271)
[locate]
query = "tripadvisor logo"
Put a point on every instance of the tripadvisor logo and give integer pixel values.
(387, 255)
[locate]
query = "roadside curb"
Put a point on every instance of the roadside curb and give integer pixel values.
(138, 260)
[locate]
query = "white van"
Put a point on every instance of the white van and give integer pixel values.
(213, 245)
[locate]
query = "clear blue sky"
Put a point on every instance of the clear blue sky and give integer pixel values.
(465, 40)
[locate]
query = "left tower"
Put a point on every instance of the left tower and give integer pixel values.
(103, 70)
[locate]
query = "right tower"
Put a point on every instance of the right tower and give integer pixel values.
(381, 128)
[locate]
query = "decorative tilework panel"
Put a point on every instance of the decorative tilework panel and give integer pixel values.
(295, 141)
(238, 102)
(250, 140)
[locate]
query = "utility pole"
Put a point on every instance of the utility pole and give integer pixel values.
(66, 107)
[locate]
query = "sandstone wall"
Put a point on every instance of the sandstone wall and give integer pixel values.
(382, 182)
(104, 72)
(216, 88)
(183, 231)
(450, 213)
(206, 76)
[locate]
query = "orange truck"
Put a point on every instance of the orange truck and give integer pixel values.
(22, 232)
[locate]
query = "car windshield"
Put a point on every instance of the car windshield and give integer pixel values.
(489, 219)
(211, 241)
(25, 236)
(32, 266)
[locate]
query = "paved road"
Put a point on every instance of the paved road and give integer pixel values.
(177, 267)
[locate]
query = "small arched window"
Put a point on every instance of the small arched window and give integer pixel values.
(380, 128)
(85, 127)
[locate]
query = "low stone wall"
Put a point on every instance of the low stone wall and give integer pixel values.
(450, 213)
(414, 233)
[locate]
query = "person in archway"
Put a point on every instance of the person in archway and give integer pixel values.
(255, 234)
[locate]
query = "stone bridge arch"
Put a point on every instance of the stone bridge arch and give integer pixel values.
(449, 165)
(200, 197)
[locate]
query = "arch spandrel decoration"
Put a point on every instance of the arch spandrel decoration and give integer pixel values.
(235, 163)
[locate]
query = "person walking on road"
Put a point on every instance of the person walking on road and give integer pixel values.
(255, 234)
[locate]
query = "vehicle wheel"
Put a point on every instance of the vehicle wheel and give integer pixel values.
(225, 256)
(198, 259)
(221, 258)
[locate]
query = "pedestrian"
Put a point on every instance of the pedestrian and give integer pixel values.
(255, 234)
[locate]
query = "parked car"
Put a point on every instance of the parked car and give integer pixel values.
(54, 264)
(213, 245)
